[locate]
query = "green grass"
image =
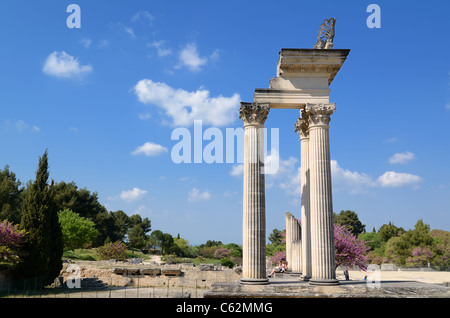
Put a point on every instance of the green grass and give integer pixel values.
(82, 254)
(91, 254)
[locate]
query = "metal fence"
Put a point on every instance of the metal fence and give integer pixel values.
(27, 290)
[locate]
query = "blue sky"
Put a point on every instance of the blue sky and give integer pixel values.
(106, 97)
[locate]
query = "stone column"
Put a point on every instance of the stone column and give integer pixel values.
(293, 244)
(254, 208)
(321, 203)
(301, 126)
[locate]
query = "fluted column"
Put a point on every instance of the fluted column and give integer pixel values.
(321, 203)
(301, 126)
(254, 206)
(293, 243)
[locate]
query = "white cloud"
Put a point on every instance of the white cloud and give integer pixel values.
(132, 195)
(292, 183)
(237, 170)
(124, 28)
(447, 106)
(159, 45)
(130, 31)
(143, 210)
(195, 195)
(274, 166)
(143, 16)
(22, 126)
(402, 158)
(61, 64)
(190, 58)
(184, 107)
(391, 140)
(150, 149)
(144, 116)
(214, 55)
(103, 43)
(346, 180)
(398, 179)
(86, 42)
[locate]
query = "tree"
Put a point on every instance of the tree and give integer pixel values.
(182, 247)
(87, 205)
(441, 247)
(350, 219)
(82, 201)
(276, 237)
(11, 239)
(387, 231)
(420, 256)
(10, 196)
(221, 253)
(398, 250)
(162, 240)
(236, 250)
(137, 234)
(349, 249)
(77, 231)
(44, 245)
(121, 221)
(420, 236)
(136, 237)
(108, 228)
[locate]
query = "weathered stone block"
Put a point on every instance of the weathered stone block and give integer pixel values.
(206, 267)
(133, 271)
(119, 270)
(171, 272)
(151, 271)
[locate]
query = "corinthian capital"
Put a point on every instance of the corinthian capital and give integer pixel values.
(254, 113)
(319, 114)
(302, 127)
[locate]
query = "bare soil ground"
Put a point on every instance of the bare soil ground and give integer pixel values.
(433, 277)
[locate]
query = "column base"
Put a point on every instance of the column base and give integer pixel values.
(323, 282)
(305, 277)
(254, 281)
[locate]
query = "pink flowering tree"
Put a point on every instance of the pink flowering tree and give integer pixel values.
(349, 249)
(277, 257)
(420, 256)
(11, 239)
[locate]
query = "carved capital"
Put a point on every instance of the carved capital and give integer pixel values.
(319, 114)
(254, 113)
(302, 126)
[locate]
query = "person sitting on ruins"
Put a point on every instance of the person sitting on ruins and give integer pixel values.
(281, 268)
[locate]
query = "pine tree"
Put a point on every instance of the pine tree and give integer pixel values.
(44, 245)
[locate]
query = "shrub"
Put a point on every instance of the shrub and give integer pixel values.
(171, 259)
(227, 262)
(115, 250)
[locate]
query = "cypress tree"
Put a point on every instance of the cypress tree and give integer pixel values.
(44, 245)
